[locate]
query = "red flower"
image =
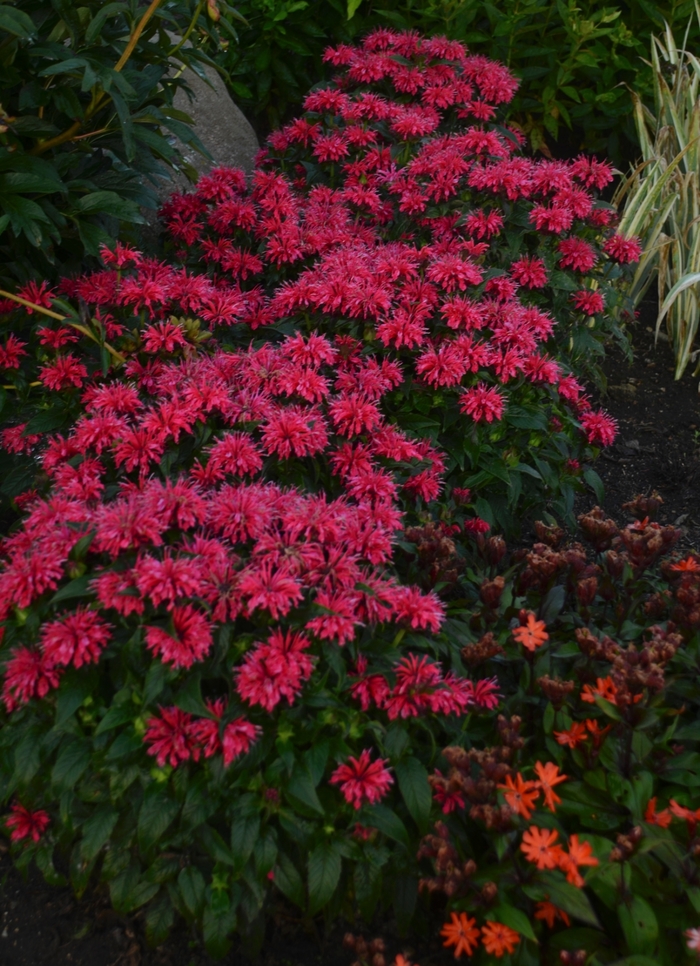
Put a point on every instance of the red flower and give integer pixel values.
(78, 638)
(599, 427)
(25, 823)
(623, 249)
(170, 737)
(482, 403)
(588, 302)
(189, 642)
(530, 272)
(362, 780)
(28, 674)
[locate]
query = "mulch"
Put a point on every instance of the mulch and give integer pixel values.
(658, 447)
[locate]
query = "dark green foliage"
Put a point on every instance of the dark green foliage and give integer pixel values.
(84, 121)
(576, 60)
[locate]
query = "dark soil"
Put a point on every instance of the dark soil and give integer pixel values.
(658, 442)
(658, 447)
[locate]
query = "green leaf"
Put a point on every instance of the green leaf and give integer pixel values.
(301, 787)
(159, 919)
(217, 926)
(595, 483)
(324, 874)
(639, 925)
(413, 782)
(189, 697)
(405, 897)
(573, 901)
(215, 845)
(289, 881)
(79, 587)
(74, 688)
(157, 811)
(191, 884)
(553, 603)
(353, 6)
(71, 763)
(244, 833)
(16, 22)
(118, 714)
(388, 823)
(95, 26)
(97, 830)
(110, 203)
(510, 916)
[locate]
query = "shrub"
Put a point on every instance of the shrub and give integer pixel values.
(573, 60)
(85, 93)
(573, 822)
(211, 570)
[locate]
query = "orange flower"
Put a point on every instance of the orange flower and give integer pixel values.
(596, 732)
(549, 777)
(580, 853)
(499, 939)
(550, 913)
(689, 565)
(533, 634)
(402, 961)
(574, 736)
(538, 846)
(663, 819)
(462, 933)
(604, 688)
(521, 795)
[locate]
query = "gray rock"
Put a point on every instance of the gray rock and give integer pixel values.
(220, 125)
(223, 130)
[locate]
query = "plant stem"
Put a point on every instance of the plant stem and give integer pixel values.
(69, 133)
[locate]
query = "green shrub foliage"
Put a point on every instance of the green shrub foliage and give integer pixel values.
(242, 607)
(574, 60)
(86, 97)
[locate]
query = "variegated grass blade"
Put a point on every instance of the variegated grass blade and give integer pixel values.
(661, 195)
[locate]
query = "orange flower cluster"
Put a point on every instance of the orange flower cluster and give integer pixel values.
(521, 795)
(539, 845)
(464, 934)
(664, 818)
(532, 634)
(581, 731)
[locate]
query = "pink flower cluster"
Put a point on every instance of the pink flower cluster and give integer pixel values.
(419, 688)
(222, 540)
(176, 736)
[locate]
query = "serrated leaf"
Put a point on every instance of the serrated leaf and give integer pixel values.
(191, 885)
(217, 926)
(244, 833)
(118, 714)
(71, 763)
(160, 916)
(288, 881)
(301, 787)
(324, 874)
(388, 823)
(157, 811)
(97, 830)
(415, 788)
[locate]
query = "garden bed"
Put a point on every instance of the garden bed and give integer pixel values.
(657, 448)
